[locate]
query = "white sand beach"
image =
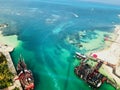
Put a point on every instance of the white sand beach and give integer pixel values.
(112, 55)
(9, 40)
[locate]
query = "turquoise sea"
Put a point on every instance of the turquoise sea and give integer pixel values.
(43, 29)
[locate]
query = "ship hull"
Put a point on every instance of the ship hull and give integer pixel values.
(25, 76)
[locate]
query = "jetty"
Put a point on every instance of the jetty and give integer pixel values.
(95, 70)
(5, 49)
(88, 73)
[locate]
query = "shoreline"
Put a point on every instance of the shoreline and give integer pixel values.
(111, 55)
(5, 49)
(7, 45)
(112, 50)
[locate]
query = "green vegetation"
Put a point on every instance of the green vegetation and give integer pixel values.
(16, 88)
(91, 62)
(6, 76)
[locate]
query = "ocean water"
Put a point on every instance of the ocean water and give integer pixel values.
(43, 27)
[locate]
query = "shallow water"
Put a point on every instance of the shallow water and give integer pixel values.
(42, 29)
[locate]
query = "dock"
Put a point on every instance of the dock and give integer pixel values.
(100, 63)
(5, 49)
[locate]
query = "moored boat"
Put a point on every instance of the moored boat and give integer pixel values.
(88, 73)
(24, 75)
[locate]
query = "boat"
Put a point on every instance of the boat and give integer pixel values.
(3, 25)
(25, 76)
(89, 74)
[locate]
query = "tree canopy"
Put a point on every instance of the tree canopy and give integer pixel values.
(6, 76)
